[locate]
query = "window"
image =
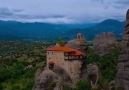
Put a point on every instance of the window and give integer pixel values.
(47, 52)
(66, 54)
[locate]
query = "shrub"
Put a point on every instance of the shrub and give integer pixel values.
(66, 87)
(120, 88)
(83, 85)
(1, 87)
(61, 42)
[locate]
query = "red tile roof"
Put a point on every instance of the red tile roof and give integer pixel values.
(65, 49)
(78, 53)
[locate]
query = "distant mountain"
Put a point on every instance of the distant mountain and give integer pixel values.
(16, 30)
(108, 25)
(30, 29)
(12, 30)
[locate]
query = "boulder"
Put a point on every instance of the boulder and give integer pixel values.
(93, 74)
(122, 77)
(45, 77)
(102, 42)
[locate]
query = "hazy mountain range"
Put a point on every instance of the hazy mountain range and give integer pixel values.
(108, 25)
(12, 30)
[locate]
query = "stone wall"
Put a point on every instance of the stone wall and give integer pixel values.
(72, 67)
(56, 56)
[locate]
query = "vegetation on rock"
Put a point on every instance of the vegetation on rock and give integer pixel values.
(106, 64)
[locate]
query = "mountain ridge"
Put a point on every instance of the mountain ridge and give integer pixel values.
(108, 25)
(54, 31)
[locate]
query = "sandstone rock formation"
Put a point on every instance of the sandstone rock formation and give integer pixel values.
(126, 31)
(45, 77)
(122, 77)
(80, 43)
(93, 74)
(101, 43)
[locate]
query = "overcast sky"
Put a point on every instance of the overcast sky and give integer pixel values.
(63, 11)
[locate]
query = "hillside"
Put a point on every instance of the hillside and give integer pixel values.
(108, 25)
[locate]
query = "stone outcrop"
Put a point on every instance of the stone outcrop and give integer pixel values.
(80, 43)
(45, 77)
(122, 77)
(126, 31)
(93, 74)
(101, 43)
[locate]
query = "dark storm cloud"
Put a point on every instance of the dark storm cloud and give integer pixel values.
(125, 2)
(5, 12)
(8, 13)
(121, 4)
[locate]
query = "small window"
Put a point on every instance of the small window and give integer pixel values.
(47, 52)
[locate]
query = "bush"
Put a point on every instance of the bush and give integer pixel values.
(61, 42)
(66, 87)
(120, 88)
(106, 63)
(83, 85)
(1, 87)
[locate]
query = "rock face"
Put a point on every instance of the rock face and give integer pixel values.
(80, 43)
(122, 77)
(126, 31)
(44, 79)
(93, 74)
(101, 43)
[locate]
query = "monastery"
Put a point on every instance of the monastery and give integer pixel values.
(68, 58)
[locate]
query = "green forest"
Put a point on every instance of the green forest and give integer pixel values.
(18, 64)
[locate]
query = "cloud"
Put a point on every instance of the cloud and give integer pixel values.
(63, 11)
(15, 14)
(8, 13)
(47, 19)
(17, 10)
(5, 12)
